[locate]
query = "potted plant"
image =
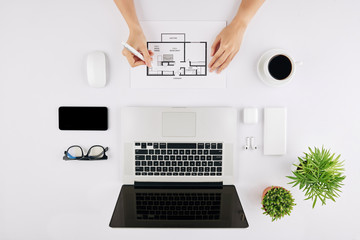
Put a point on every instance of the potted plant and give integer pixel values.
(319, 174)
(277, 202)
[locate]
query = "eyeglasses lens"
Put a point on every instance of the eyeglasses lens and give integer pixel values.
(96, 152)
(74, 152)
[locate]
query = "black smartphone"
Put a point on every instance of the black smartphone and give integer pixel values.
(83, 118)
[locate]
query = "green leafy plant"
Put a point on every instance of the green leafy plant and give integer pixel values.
(277, 203)
(319, 174)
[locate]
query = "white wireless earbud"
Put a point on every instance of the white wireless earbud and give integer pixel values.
(252, 143)
(247, 145)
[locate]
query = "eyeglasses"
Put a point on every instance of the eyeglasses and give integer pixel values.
(95, 152)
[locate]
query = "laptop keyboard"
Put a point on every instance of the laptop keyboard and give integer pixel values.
(178, 206)
(178, 159)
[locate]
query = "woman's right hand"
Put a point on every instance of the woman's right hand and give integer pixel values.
(138, 41)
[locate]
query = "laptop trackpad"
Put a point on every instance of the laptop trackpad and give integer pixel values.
(177, 124)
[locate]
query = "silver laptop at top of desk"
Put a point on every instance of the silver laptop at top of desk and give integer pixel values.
(164, 144)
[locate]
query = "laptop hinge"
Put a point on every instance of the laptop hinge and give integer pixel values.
(179, 185)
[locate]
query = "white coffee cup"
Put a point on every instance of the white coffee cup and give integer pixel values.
(263, 68)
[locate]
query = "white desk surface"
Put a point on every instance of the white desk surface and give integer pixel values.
(43, 45)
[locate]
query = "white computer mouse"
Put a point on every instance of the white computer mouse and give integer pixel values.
(96, 69)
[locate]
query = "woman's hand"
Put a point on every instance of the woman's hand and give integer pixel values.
(225, 47)
(138, 41)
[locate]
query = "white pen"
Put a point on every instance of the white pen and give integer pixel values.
(132, 50)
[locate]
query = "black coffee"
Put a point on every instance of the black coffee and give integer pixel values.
(280, 67)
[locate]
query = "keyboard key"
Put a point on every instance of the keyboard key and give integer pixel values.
(216, 152)
(207, 169)
(137, 173)
(210, 164)
(158, 169)
(137, 163)
(207, 145)
(163, 152)
(191, 157)
(217, 158)
(156, 145)
(200, 146)
(202, 157)
(182, 169)
(173, 163)
(201, 169)
(148, 157)
(186, 163)
(178, 157)
(147, 169)
(162, 163)
(198, 163)
(167, 163)
(139, 157)
(213, 146)
(204, 164)
(165, 169)
(152, 169)
(182, 152)
(141, 151)
(160, 157)
(137, 144)
(151, 151)
(162, 145)
(172, 157)
(143, 145)
(143, 163)
(187, 152)
(217, 163)
(208, 157)
(149, 144)
(169, 152)
(181, 145)
(219, 169)
(188, 169)
(157, 152)
(175, 152)
(166, 157)
(139, 169)
(206, 152)
(154, 157)
(180, 164)
(200, 152)
(219, 146)
(212, 169)
(192, 163)
(184, 158)
(149, 163)
(193, 152)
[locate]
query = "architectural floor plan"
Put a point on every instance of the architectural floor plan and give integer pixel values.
(181, 55)
(174, 56)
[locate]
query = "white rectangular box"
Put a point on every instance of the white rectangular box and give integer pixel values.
(275, 131)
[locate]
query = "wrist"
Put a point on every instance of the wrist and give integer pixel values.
(239, 24)
(135, 29)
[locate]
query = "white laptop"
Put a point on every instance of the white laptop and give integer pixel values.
(172, 149)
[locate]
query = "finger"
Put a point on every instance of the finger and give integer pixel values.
(225, 64)
(220, 61)
(147, 56)
(218, 53)
(151, 53)
(215, 45)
